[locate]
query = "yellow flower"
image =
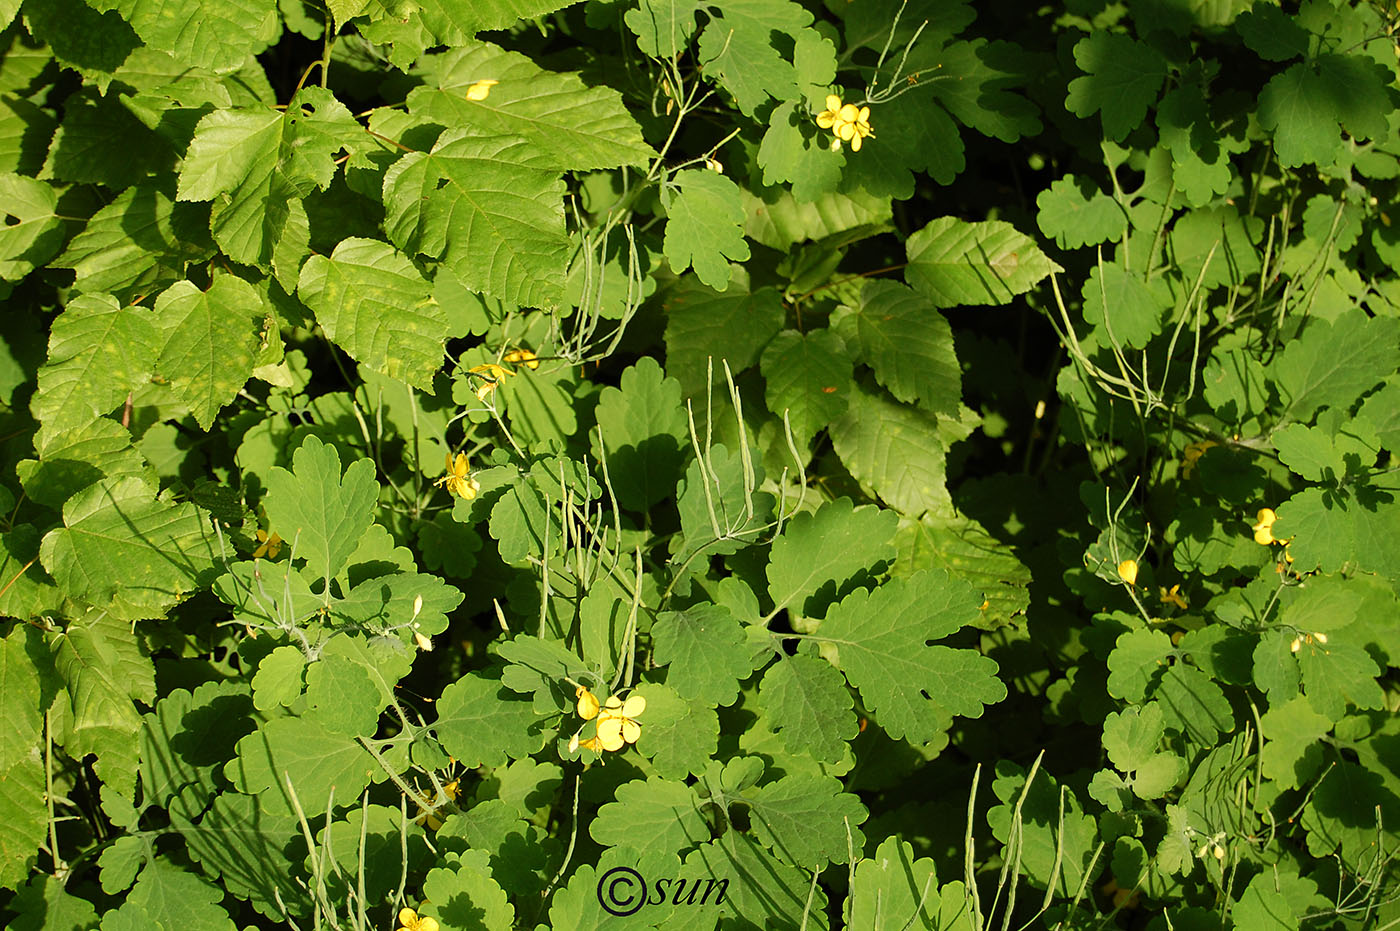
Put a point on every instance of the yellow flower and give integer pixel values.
(847, 122)
(1263, 531)
(492, 375)
(1173, 597)
(458, 479)
(1193, 453)
(617, 723)
(1127, 571)
(409, 921)
(517, 356)
(481, 89)
(588, 706)
(269, 545)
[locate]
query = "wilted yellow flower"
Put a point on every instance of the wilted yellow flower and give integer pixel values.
(588, 706)
(518, 356)
(1173, 597)
(1191, 454)
(269, 545)
(481, 89)
(458, 479)
(492, 375)
(847, 122)
(1127, 571)
(409, 921)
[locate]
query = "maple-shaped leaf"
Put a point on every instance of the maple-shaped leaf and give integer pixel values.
(885, 642)
(374, 304)
(127, 551)
(490, 207)
(1077, 214)
(574, 126)
(808, 703)
(1304, 105)
(705, 652)
(254, 163)
(705, 225)
(738, 49)
(820, 551)
(320, 515)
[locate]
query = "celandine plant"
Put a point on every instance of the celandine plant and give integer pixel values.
(745, 464)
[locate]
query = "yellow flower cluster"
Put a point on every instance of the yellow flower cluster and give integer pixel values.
(847, 122)
(617, 721)
(1264, 531)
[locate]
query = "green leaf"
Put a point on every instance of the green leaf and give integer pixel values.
(706, 328)
(480, 724)
(793, 151)
(1055, 832)
(807, 377)
(1336, 674)
(33, 233)
(303, 759)
(255, 163)
(762, 889)
(93, 43)
(82, 149)
(779, 220)
(375, 304)
(678, 736)
(820, 551)
(705, 225)
(954, 262)
(1347, 809)
(20, 695)
(705, 652)
(663, 27)
(1121, 80)
(1194, 704)
(1331, 528)
(1138, 660)
(908, 343)
(1131, 738)
(805, 819)
(221, 37)
(656, 815)
(1077, 214)
(175, 898)
(137, 242)
(913, 133)
(1138, 308)
(24, 821)
(893, 891)
(320, 516)
(126, 551)
(737, 49)
(807, 702)
(1272, 33)
(1292, 752)
(883, 641)
(211, 339)
(896, 450)
(720, 484)
(1330, 364)
(490, 207)
(571, 126)
(1304, 105)
(463, 894)
(643, 429)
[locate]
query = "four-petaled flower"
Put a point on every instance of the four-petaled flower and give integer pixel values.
(1127, 571)
(269, 545)
(847, 122)
(409, 921)
(458, 479)
(518, 356)
(1173, 597)
(617, 721)
(481, 89)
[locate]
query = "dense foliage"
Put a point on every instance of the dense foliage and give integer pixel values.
(923, 465)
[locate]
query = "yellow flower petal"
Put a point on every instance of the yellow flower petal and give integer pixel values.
(855, 143)
(481, 89)
(826, 119)
(863, 116)
(587, 704)
(849, 113)
(833, 103)
(631, 730)
(845, 131)
(1127, 571)
(610, 733)
(407, 916)
(634, 706)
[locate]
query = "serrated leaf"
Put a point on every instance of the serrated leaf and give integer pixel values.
(807, 377)
(1121, 81)
(807, 702)
(1272, 33)
(375, 304)
(883, 639)
(1332, 363)
(301, 757)
(176, 898)
(1336, 674)
(32, 233)
(705, 652)
(1077, 214)
(571, 125)
(953, 262)
(125, 550)
(778, 219)
(737, 49)
(643, 430)
(463, 894)
(211, 339)
(222, 37)
(793, 151)
(490, 207)
(20, 695)
(819, 552)
(316, 512)
(1304, 105)
(908, 343)
(705, 225)
(24, 818)
(679, 736)
(705, 329)
(656, 815)
(480, 724)
(254, 162)
(805, 819)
